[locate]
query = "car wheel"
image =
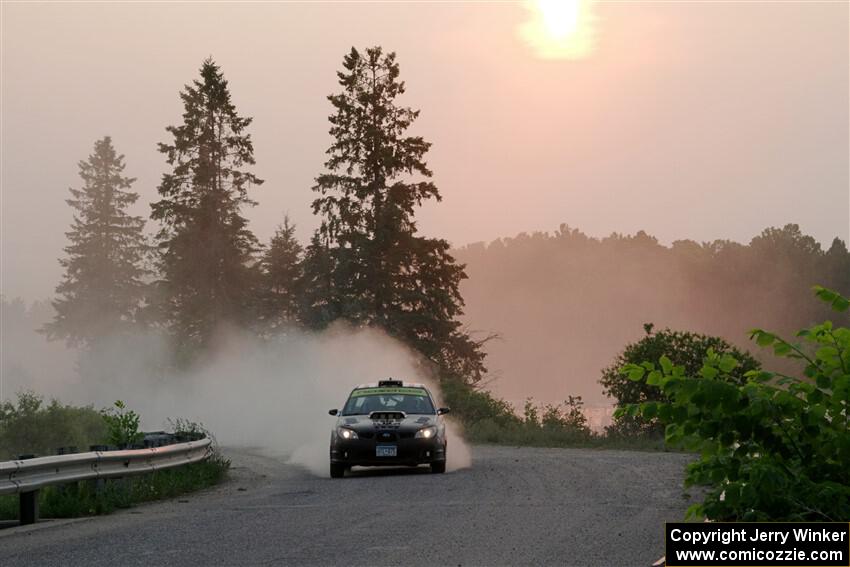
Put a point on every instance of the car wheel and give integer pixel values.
(337, 471)
(438, 467)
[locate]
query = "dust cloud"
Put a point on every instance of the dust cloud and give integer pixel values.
(269, 395)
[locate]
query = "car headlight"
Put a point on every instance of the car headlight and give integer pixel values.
(426, 432)
(346, 433)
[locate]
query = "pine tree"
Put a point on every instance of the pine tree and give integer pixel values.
(102, 289)
(207, 262)
(319, 304)
(383, 273)
(282, 278)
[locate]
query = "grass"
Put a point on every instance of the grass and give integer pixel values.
(83, 499)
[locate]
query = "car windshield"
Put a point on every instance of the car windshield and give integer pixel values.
(364, 401)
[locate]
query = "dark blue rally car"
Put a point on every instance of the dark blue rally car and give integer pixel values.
(388, 424)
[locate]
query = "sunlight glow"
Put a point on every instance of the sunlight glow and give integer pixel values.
(559, 29)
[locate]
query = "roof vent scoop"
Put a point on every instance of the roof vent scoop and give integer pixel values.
(387, 415)
(390, 383)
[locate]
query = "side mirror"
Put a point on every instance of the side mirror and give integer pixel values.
(443, 411)
(333, 412)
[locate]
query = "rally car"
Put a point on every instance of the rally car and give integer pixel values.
(388, 423)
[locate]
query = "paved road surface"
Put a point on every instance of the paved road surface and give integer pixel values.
(515, 506)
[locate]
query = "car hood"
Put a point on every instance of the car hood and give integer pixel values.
(361, 423)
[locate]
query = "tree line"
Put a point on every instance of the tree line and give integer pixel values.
(566, 302)
(205, 270)
(568, 299)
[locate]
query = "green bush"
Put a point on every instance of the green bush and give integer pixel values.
(470, 406)
(486, 419)
(682, 348)
(123, 425)
(776, 447)
(31, 427)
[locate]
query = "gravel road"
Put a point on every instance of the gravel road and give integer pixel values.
(514, 506)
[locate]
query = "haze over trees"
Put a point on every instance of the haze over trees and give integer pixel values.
(207, 251)
(282, 279)
(378, 270)
(366, 264)
(102, 289)
(565, 303)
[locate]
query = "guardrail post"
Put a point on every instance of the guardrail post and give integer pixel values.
(96, 485)
(29, 507)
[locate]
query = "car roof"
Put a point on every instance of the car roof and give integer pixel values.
(403, 385)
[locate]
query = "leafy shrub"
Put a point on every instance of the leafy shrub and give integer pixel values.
(31, 427)
(681, 348)
(776, 447)
(568, 416)
(470, 405)
(540, 426)
(122, 425)
(486, 419)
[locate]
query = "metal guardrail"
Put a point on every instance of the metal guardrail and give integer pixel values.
(27, 476)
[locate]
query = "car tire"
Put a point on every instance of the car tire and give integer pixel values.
(438, 467)
(337, 471)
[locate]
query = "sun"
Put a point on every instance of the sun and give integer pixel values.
(560, 17)
(559, 29)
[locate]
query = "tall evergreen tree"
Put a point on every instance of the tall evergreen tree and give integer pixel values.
(282, 278)
(319, 304)
(383, 272)
(102, 288)
(209, 273)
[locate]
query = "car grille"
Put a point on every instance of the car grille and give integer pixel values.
(386, 434)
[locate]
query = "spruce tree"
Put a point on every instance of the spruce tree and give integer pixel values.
(282, 278)
(319, 304)
(383, 273)
(209, 272)
(102, 289)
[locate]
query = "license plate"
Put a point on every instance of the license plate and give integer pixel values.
(386, 451)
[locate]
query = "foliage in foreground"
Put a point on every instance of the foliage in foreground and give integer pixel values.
(82, 499)
(683, 348)
(774, 448)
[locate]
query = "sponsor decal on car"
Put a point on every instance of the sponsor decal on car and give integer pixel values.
(389, 391)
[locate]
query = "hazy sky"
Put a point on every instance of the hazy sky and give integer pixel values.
(688, 120)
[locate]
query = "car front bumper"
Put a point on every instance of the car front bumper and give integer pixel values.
(363, 452)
